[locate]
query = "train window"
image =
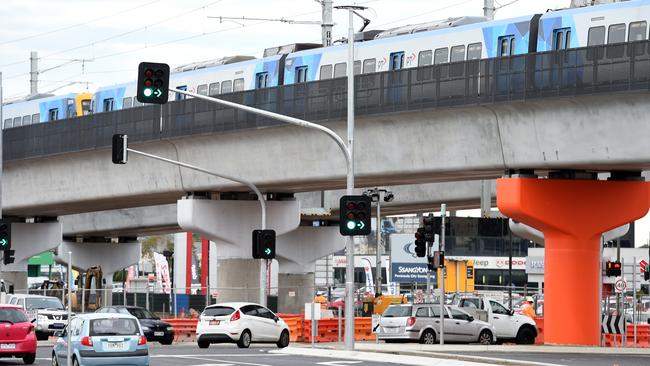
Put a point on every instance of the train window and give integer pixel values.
(567, 42)
(127, 102)
(108, 105)
(425, 58)
(638, 31)
(396, 60)
(616, 33)
(441, 56)
(474, 51)
(213, 89)
(238, 85)
(36, 118)
(457, 53)
(17, 121)
(27, 120)
(202, 89)
(369, 65)
(340, 70)
(325, 72)
(357, 67)
(596, 36)
(8, 123)
(301, 74)
(226, 87)
(54, 113)
(506, 45)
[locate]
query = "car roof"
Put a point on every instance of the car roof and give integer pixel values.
(27, 296)
(8, 306)
(92, 316)
(233, 304)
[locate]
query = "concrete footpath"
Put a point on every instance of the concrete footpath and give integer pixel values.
(457, 355)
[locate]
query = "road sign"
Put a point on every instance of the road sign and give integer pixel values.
(620, 285)
(642, 265)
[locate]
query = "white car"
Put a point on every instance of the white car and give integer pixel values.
(242, 323)
(46, 312)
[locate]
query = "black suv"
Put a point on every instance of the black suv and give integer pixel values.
(154, 329)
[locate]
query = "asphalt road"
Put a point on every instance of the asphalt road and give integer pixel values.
(569, 359)
(216, 355)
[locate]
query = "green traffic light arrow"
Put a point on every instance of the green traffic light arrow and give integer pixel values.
(3, 242)
(267, 251)
(157, 93)
(361, 225)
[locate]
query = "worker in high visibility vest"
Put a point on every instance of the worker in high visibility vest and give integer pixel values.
(527, 307)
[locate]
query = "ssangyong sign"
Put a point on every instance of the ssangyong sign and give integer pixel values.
(410, 273)
(406, 266)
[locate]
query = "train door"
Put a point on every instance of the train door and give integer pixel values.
(109, 104)
(396, 78)
(53, 114)
(396, 60)
(180, 96)
(506, 45)
(71, 110)
(261, 80)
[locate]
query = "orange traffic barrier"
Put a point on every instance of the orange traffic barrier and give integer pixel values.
(363, 329)
(295, 324)
(184, 329)
(540, 330)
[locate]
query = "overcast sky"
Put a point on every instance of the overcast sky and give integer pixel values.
(112, 37)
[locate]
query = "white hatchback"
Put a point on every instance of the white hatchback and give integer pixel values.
(242, 323)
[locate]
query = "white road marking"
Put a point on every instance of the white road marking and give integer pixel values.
(221, 355)
(338, 363)
(224, 361)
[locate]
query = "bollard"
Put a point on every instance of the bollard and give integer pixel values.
(147, 295)
(339, 316)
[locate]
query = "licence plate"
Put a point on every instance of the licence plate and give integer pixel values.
(57, 326)
(115, 346)
(214, 322)
(8, 346)
(392, 330)
(158, 334)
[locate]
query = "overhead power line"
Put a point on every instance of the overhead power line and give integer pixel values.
(49, 32)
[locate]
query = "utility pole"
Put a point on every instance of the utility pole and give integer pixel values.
(488, 9)
(33, 73)
(327, 24)
(443, 216)
(2, 122)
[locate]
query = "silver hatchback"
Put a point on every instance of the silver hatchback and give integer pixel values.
(421, 323)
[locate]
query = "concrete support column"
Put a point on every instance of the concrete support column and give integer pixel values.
(295, 289)
(572, 214)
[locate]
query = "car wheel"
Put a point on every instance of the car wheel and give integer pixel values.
(54, 361)
(203, 344)
(244, 340)
(75, 362)
(525, 336)
(485, 337)
(428, 337)
(284, 339)
(29, 358)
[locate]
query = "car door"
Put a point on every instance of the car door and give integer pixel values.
(253, 323)
(502, 320)
(462, 325)
(272, 328)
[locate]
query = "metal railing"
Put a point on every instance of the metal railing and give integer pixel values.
(581, 71)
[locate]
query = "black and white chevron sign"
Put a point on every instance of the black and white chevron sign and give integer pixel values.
(613, 324)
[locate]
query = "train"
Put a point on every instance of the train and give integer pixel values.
(452, 40)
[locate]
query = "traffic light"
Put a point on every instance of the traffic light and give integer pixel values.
(613, 268)
(120, 145)
(263, 244)
(153, 83)
(420, 244)
(646, 273)
(355, 215)
(5, 234)
(431, 266)
(8, 256)
(429, 228)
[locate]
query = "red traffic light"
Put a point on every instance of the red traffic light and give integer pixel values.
(350, 206)
(148, 73)
(148, 82)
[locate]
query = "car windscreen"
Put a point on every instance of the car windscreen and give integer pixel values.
(43, 303)
(141, 313)
(397, 311)
(218, 311)
(113, 326)
(12, 316)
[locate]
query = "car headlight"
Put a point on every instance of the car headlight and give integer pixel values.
(144, 329)
(170, 329)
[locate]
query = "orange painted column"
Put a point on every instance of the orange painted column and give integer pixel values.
(572, 214)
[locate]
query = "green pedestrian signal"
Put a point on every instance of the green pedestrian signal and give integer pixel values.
(355, 215)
